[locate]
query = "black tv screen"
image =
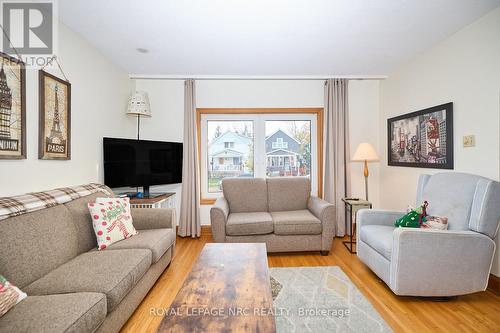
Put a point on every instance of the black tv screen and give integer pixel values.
(141, 162)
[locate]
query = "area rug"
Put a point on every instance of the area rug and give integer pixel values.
(321, 299)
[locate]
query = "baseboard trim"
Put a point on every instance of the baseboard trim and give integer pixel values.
(206, 230)
(494, 284)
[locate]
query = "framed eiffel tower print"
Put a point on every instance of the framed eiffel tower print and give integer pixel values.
(54, 142)
(12, 108)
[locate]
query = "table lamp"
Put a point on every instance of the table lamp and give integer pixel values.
(138, 105)
(365, 153)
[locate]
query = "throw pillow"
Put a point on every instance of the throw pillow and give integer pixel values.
(436, 222)
(112, 221)
(124, 201)
(10, 295)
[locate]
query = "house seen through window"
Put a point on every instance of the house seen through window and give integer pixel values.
(255, 146)
(228, 145)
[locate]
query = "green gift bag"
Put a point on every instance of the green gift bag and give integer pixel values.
(414, 218)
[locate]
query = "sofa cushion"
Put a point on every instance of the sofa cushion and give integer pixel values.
(239, 224)
(288, 193)
(297, 222)
(156, 240)
(78, 312)
(33, 244)
(379, 238)
(113, 273)
(237, 190)
(83, 222)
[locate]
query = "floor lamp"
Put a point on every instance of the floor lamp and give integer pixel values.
(138, 105)
(365, 153)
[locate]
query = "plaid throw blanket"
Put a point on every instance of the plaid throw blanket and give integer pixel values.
(27, 203)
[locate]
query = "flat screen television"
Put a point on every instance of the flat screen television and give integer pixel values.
(143, 163)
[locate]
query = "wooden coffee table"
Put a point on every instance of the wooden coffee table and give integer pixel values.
(228, 290)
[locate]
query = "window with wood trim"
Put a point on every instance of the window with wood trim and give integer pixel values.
(258, 143)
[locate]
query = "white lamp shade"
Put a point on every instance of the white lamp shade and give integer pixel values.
(365, 152)
(138, 104)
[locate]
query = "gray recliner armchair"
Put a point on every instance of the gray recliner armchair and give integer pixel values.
(440, 263)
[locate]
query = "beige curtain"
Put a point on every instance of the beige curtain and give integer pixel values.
(189, 222)
(336, 178)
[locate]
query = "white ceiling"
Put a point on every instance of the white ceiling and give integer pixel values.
(267, 37)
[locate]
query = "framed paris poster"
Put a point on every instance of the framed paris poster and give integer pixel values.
(422, 139)
(12, 108)
(54, 142)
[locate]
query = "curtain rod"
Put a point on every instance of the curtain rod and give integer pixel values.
(256, 77)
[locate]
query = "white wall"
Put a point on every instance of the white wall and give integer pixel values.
(167, 100)
(166, 124)
(257, 94)
(465, 70)
(363, 119)
(99, 95)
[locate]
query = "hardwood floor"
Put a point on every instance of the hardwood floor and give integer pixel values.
(478, 312)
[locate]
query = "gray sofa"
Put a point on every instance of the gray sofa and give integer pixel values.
(422, 262)
(277, 211)
(51, 255)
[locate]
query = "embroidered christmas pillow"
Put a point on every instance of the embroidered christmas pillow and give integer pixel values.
(10, 295)
(124, 201)
(112, 221)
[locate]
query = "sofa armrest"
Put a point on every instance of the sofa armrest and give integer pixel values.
(325, 212)
(218, 219)
(377, 217)
(440, 262)
(157, 218)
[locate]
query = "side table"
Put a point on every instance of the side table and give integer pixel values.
(352, 207)
(165, 200)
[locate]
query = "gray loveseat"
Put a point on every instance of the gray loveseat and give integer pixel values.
(442, 263)
(277, 211)
(51, 255)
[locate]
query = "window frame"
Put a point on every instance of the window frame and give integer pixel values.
(251, 114)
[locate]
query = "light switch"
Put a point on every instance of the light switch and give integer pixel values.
(469, 140)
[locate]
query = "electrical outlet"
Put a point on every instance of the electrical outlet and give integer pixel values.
(469, 140)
